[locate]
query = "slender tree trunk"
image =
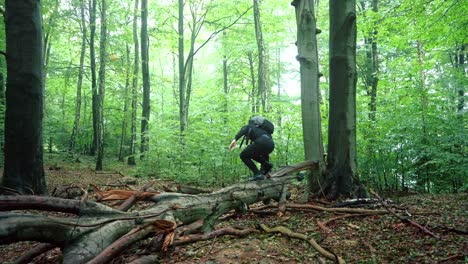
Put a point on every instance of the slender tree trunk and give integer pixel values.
(278, 84)
(94, 89)
(123, 137)
(262, 64)
(182, 109)
(189, 70)
(252, 95)
(136, 63)
(343, 178)
(423, 93)
(310, 98)
(459, 64)
(76, 123)
(372, 67)
(145, 116)
(2, 107)
(225, 88)
(48, 27)
(370, 78)
(23, 169)
(102, 85)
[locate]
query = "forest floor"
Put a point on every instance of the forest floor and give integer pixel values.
(364, 239)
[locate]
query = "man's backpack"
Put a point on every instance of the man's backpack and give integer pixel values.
(261, 122)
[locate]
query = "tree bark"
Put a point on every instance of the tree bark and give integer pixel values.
(145, 115)
(370, 77)
(310, 92)
(371, 68)
(182, 109)
(102, 86)
(252, 95)
(2, 103)
(23, 169)
(136, 62)
(460, 58)
(123, 135)
(342, 177)
(262, 64)
(92, 58)
(79, 85)
(99, 226)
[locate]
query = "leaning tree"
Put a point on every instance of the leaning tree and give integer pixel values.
(310, 92)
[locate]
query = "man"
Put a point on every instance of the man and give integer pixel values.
(260, 148)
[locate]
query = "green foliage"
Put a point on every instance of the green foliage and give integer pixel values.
(417, 141)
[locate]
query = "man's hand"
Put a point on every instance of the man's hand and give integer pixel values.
(233, 144)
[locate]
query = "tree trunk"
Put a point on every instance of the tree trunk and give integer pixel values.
(262, 64)
(145, 115)
(123, 136)
(76, 123)
(252, 95)
(92, 58)
(23, 169)
(2, 106)
(370, 74)
(102, 86)
(136, 63)
(310, 92)
(225, 90)
(370, 79)
(48, 26)
(182, 115)
(99, 226)
(460, 66)
(342, 177)
(198, 12)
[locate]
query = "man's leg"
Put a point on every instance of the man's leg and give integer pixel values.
(247, 155)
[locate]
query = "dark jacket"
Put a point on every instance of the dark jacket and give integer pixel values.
(251, 133)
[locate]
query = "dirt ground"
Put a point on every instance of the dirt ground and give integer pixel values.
(365, 239)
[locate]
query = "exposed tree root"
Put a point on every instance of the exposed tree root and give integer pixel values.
(336, 210)
(160, 227)
(217, 233)
(285, 231)
(34, 252)
(355, 211)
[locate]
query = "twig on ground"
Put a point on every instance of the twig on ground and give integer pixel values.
(285, 231)
(458, 256)
(125, 206)
(344, 216)
(404, 219)
(323, 227)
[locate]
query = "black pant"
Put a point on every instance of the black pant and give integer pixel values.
(258, 151)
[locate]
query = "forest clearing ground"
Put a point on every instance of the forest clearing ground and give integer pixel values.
(367, 239)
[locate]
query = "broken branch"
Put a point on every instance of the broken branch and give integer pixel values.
(286, 232)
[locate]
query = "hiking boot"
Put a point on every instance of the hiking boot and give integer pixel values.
(257, 177)
(266, 168)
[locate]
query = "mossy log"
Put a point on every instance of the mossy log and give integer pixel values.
(92, 227)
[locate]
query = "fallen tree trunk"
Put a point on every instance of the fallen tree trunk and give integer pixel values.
(97, 226)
